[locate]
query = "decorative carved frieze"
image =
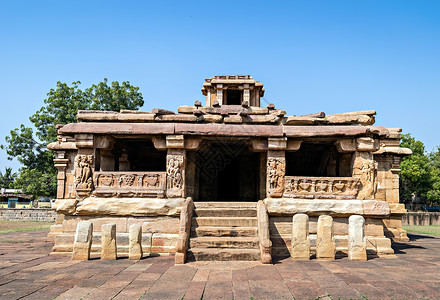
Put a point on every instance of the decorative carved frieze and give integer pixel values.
(276, 169)
(321, 187)
(135, 184)
(83, 175)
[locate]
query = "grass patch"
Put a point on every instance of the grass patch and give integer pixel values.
(431, 230)
(19, 226)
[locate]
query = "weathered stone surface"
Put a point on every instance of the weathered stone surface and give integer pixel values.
(229, 129)
(135, 242)
(323, 131)
(118, 128)
(397, 208)
(357, 242)
(285, 206)
(325, 241)
(175, 141)
(346, 145)
(277, 143)
(83, 241)
(300, 237)
(376, 208)
(135, 117)
(108, 241)
(66, 206)
(367, 144)
(130, 206)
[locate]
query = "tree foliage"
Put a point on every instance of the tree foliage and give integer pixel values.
(420, 175)
(7, 178)
(28, 144)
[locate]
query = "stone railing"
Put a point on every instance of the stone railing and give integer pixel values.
(129, 184)
(321, 187)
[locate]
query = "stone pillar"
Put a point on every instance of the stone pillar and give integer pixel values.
(108, 241)
(83, 241)
(365, 168)
(300, 237)
(357, 242)
(276, 167)
(135, 242)
(176, 159)
(246, 93)
(219, 97)
(325, 241)
(84, 165)
(61, 164)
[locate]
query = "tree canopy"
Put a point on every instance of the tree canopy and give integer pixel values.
(7, 178)
(420, 175)
(28, 144)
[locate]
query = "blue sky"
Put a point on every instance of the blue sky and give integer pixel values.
(331, 56)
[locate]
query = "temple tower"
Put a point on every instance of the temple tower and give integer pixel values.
(232, 90)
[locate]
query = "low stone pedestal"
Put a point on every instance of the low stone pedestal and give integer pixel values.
(325, 241)
(357, 243)
(300, 237)
(135, 242)
(83, 241)
(108, 241)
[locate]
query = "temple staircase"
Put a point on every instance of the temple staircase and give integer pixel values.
(223, 231)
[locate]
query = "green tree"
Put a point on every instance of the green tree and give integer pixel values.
(420, 175)
(38, 174)
(7, 179)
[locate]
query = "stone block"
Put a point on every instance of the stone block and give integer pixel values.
(300, 237)
(83, 241)
(108, 241)
(375, 208)
(135, 242)
(374, 227)
(66, 206)
(325, 241)
(130, 206)
(286, 206)
(357, 243)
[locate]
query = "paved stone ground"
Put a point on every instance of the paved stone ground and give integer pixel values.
(28, 272)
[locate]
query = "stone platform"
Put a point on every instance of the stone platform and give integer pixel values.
(27, 271)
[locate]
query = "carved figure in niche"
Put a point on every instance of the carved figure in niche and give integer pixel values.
(368, 176)
(105, 180)
(83, 171)
(126, 180)
(276, 171)
(152, 181)
(174, 172)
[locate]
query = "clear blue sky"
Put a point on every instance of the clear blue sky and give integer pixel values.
(331, 56)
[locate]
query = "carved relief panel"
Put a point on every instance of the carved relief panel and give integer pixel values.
(83, 175)
(276, 169)
(175, 175)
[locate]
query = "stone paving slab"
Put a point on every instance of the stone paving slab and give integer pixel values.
(27, 271)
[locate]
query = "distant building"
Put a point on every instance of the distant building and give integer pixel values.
(14, 198)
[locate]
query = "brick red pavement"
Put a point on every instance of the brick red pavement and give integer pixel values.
(27, 271)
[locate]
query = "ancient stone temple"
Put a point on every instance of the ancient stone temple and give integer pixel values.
(224, 181)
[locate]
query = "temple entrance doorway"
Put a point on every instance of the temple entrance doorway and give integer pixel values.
(227, 171)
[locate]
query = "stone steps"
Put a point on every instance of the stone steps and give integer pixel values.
(223, 254)
(225, 221)
(222, 231)
(226, 212)
(224, 242)
(225, 204)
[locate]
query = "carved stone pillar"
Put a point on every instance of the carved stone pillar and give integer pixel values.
(364, 166)
(84, 165)
(220, 94)
(176, 161)
(61, 164)
(246, 93)
(276, 167)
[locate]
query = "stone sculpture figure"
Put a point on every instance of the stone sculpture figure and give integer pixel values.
(174, 173)
(368, 174)
(276, 171)
(83, 171)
